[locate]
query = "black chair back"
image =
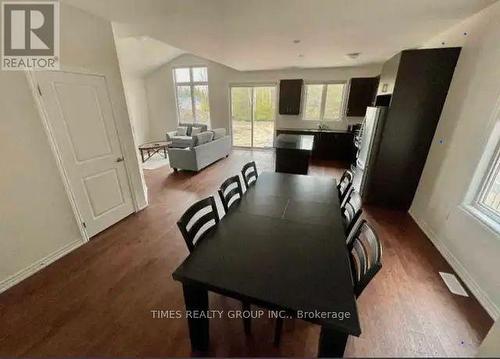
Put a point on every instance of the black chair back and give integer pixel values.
(198, 221)
(249, 172)
(345, 185)
(366, 256)
(351, 210)
(230, 192)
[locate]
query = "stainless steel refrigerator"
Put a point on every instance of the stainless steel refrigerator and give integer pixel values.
(368, 144)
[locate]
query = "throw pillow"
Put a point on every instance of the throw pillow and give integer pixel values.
(181, 131)
(203, 138)
(195, 130)
(182, 142)
(218, 133)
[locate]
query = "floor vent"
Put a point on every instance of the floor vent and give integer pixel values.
(453, 284)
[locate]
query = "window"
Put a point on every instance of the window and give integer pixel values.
(191, 86)
(488, 197)
(324, 102)
(253, 108)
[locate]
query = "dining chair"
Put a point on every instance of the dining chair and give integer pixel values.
(345, 185)
(364, 234)
(230, 192)
(365, 251)
(366, 256)
(198, 221)
(351, 211)
(194, 228)
(250, 175)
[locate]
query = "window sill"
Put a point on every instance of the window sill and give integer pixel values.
(483, 219)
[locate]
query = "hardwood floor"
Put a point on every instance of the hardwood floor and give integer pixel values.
(97, 301)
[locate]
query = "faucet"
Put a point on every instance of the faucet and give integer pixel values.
(322, 126)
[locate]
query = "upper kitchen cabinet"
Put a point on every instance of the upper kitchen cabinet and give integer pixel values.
(388, 76)
(362, 91)
(290, 95)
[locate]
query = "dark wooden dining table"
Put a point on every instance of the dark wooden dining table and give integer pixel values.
(282, 248)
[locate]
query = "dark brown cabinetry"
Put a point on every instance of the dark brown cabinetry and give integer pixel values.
(414, 85)
(362, 91)
(293, 153)
(328, 145)
(388, 75)
(290, 95)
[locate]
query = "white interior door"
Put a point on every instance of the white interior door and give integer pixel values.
(80, 117)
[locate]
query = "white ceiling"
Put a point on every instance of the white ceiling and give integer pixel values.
(142, 54)
(259, 34)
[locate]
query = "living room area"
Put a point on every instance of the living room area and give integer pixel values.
(190, 91)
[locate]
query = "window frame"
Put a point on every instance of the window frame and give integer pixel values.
(492, 170)
(484, 173)
(191, 83)
(276, 109)
(342, 117)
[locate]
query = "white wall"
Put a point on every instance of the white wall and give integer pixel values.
(160, 89)
(138, 56)
(36, 219)
(37, 223)
(466, 123)
(490, 347)
(137, 104)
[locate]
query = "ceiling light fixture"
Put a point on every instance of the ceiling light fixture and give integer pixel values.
(353, 55)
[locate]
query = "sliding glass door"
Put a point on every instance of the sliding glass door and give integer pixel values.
(252, 115)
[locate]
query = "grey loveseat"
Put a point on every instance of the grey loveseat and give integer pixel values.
(206, 148)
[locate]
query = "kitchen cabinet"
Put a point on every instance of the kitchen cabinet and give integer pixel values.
(290, 96)
(362, 91)
(293, 153)
(417, 85)
(388, 75)
(328, 145)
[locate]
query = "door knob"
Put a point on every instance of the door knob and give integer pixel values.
(119, 159)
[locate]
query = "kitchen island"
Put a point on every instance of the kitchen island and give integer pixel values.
(293, 153)
(329, 144)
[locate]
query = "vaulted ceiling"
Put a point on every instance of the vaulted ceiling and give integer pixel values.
(271, 34)
(141, 54)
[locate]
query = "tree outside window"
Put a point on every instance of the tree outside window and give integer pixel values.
(191, 85)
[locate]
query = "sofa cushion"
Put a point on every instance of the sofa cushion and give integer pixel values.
(182, 131)
(203, 138)
(218, 133)
(195, 130)
(182, 141)
(191, 125)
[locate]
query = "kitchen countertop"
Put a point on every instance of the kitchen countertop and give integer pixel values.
(295, 142)
(313, 130)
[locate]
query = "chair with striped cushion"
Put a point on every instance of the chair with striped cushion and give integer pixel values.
(230, 192)
(366, 256)
(198, 220)
(364, 236)
(351, 211)
(250, 175)
(345, 185)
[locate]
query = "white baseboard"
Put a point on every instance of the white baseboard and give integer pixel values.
(38, 265)
(458, 267)
(141, 206)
